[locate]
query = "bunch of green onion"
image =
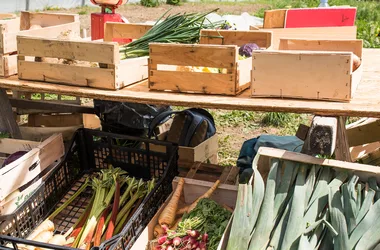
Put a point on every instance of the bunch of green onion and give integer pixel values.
(178, 28)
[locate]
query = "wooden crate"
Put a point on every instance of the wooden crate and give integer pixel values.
(168, 63)
(224, 195)
(25, 169)
(207, 151)
(265, 155)
(322, 33)
(52, 26)
(208, 172)
(308, 69)
(109, 72)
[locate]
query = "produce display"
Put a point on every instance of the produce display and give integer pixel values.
(306, 207)
(114, 199)
(201, 226)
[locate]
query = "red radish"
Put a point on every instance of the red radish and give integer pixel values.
(193, 233)
(162, 240)
(176, 241)
(203, 246)
(165, 228)
(169, 248)
(204, 238)
(195, 245)
(168, 242)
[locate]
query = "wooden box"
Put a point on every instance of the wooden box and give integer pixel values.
(265, 155)
(308, 69)
(208, 172)
(171, 65)
(52, 25)
(207, 151)
(224, 195)
(31, 165)
(323, 33)
(100, 64)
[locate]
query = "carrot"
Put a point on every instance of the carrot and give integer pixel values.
(99, 227)
(194, 204)
(115, 209)
(168, 215)
(158, 231)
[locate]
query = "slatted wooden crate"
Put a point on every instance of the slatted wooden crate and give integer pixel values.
(101, 65)
(266, 155)
(52, 25)
(21, 172)
(169, 63)
(308, 69)
(208, 172)
(224, 195)
(323, 33)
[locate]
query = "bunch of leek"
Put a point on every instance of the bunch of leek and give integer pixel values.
(306, 207)
(177, 28)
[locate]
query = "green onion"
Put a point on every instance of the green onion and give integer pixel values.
(173, 29)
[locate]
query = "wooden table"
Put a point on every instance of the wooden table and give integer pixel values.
(366, 102)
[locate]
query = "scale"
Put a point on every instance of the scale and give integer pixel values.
(107, 15)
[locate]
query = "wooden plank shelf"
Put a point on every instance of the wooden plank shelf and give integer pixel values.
(364, 104)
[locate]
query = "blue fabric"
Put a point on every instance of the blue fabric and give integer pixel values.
(250, 148)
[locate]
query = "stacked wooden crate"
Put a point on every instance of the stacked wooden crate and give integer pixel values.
(30, 24)
(94, 64)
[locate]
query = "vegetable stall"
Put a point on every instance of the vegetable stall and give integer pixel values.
(113, 195)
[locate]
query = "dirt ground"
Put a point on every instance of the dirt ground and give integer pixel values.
(233, 128)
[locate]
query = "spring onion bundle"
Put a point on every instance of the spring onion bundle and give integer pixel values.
(173, 29)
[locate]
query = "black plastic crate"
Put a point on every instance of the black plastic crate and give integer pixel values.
(90, 151)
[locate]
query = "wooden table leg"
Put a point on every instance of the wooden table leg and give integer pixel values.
(326, 136)
(7, 121)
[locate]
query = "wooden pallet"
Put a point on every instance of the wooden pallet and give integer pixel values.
(169, 63)
(208, 172)
(101, 65)
(52, 26)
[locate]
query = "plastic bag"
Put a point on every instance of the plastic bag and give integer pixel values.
(127, 118)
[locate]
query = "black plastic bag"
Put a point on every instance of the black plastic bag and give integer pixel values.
(127, 118)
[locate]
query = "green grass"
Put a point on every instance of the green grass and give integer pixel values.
(51, 8)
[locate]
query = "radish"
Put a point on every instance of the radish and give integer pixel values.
(169, 248)
(177, 241)
(168, 242)
(162, 240)
(195, 245)
(193, 233)
(205, 238)
(203, 246)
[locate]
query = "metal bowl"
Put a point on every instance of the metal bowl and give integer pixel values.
(109, 2)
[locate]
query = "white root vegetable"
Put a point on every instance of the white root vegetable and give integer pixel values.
(58, 239)
(44, 236)
(47, 225)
